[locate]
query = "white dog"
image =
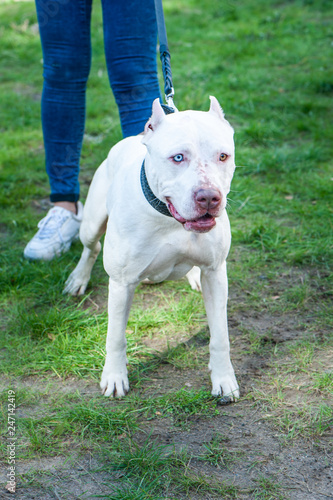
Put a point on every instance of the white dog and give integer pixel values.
(161, 199)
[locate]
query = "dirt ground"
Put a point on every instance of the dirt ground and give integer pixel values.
(302, 467)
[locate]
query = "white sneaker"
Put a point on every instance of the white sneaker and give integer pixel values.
(56, 232)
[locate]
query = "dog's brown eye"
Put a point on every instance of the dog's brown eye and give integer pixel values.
(223, 157)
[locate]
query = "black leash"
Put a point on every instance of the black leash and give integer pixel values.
(164, 55)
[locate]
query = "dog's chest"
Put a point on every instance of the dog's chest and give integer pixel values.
(160, 254)
(173, 259)
(167, 264)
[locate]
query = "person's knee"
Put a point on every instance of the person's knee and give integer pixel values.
(133, 81)
(67, 69)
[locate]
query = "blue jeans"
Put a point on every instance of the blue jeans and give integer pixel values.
(130, 48)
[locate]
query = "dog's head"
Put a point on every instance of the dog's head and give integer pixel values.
(190, 163)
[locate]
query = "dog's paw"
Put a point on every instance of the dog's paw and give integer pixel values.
(114, 385)
(193, 277)
(76, 284)
(225, 386)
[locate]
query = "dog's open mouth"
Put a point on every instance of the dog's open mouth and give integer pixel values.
(199, 225)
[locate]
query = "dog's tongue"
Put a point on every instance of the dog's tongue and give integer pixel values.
(175, 214)
(201, 225)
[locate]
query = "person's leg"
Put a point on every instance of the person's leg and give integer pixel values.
(130, 38)
(65, 36)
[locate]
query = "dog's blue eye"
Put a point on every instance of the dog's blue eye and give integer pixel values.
(178, 158)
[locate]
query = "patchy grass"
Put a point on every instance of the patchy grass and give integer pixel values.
(269, 64)
(218, 454)
(151, 469)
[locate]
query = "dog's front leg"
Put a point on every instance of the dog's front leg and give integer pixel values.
(114, 380)
(215, 293)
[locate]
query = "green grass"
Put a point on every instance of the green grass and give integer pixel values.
(151, 469)
(297, 395)
(270, 65)
(218, 454)
(268, 489)
(52, 423)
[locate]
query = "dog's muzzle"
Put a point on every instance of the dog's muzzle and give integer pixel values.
(201, 224)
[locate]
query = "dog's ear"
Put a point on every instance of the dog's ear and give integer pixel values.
(215, 107)
(156, 118)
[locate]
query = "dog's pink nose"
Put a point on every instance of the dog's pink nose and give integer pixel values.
(208, 198)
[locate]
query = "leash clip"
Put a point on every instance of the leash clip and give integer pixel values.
(169, 99)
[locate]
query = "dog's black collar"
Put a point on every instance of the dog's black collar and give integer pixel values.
(156, 203)
(159, 205)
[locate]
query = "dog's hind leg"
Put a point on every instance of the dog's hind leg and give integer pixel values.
(93, 226)
(193, 277)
